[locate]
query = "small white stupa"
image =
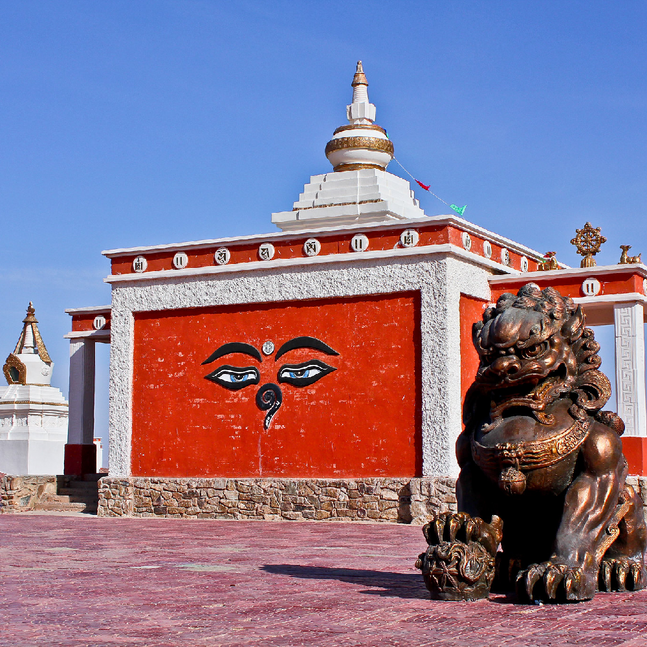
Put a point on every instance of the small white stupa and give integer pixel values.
(359, 189)
(33, 414)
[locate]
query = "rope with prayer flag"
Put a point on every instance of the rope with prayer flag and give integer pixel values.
(427, 187)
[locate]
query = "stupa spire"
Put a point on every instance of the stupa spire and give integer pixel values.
(361, 144)
(360, 189)
(360, 111)
(30, 362)
(30, 341)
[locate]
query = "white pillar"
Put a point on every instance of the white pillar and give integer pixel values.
(81, 421)
(630, 367)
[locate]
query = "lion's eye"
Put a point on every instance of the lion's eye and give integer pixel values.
(488, 355)
(534, 351)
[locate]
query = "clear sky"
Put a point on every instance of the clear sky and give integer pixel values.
(136, 123)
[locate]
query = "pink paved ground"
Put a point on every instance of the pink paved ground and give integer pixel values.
(87, 581)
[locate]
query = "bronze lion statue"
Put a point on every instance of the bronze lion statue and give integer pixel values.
(540, 455)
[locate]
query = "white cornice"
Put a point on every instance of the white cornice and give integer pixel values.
(576, 272)
(481, 232)
(96, 335)
(326, 231)
(88, 310)
(604, 299)
(347, 257)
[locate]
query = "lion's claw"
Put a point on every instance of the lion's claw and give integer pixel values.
(572, 582)
(454, 523)
(606, 571)
(621, 574)
(553, 582)
(638, 576)
(527, 579)
(552, 579)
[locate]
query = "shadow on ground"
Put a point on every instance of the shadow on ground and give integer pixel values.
(399, 585)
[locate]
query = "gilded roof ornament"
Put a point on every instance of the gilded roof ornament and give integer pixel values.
(588, 241)
(30, 362)
(30, 340)
(625, 259)
(549, 262)
(360, 77)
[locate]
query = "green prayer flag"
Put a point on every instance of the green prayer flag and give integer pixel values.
(459, 210)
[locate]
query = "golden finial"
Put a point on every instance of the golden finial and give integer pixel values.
(549, 262)
(360, 77)
(588, 241)
(31, 321)
(625, 259)
(31, 311)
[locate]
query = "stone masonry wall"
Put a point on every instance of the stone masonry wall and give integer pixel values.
(21, 493)
(377, 499)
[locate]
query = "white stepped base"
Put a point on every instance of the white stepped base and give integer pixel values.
(351, 197)
(33, 429)
(29, 457)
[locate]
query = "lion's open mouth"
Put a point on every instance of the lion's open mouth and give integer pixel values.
(528, 396)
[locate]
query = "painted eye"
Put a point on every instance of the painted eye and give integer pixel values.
(304, 374)
(233, 377)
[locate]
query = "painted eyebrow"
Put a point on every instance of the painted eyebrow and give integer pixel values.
(233, 347)
(305, 342)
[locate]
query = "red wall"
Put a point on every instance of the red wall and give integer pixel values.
(571, 286)
(471, 310)
(361, 420)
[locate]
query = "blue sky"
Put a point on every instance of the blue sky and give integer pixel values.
(132, 123)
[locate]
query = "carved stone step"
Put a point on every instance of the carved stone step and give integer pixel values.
(61, 506)
(79, 489)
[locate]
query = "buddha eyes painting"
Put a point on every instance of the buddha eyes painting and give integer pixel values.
(319, 388)
(270, 396)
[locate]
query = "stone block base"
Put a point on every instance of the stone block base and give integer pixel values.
(21, 493)
(405, 500)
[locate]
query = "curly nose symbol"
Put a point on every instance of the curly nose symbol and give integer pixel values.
(508, 365)
(269, 398)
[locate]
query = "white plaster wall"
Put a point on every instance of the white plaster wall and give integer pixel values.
(14, 458)
(472, 281)
(33, 429)
(439, 279)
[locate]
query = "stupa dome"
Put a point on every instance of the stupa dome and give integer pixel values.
(360, 144)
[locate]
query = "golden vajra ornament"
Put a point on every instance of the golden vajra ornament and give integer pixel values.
(588, 241)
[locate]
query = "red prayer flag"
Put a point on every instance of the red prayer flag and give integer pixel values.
(424, 186)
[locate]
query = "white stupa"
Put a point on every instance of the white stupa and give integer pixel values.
(33, 414)
(359, 189)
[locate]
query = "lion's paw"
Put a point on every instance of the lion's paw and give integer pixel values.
(622, 574)
(554, 582)
(459, 526)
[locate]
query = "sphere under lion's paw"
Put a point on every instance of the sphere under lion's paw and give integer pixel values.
(457, 571)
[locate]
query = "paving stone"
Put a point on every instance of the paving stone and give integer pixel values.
(81, 580)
